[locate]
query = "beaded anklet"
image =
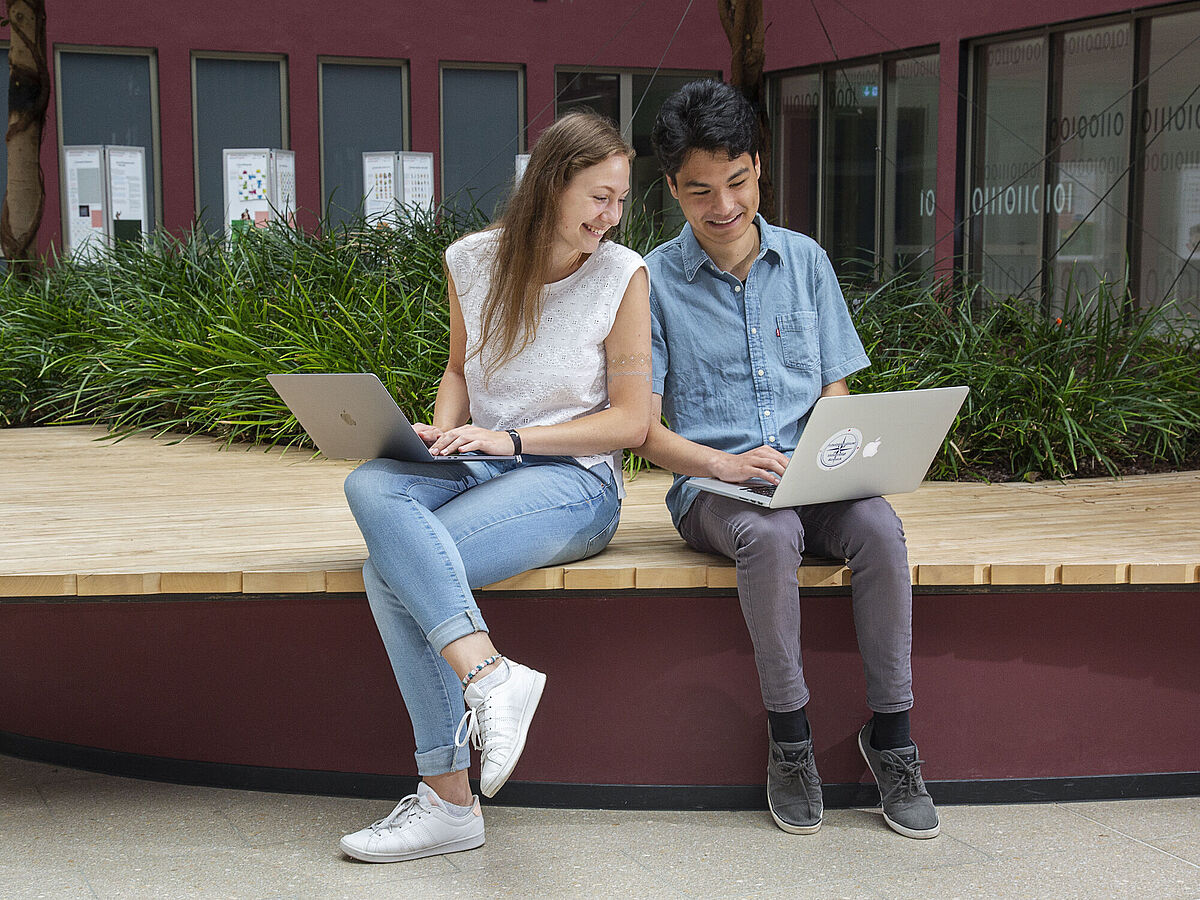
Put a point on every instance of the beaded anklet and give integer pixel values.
(479, 668)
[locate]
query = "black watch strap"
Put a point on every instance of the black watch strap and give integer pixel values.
(516, 439)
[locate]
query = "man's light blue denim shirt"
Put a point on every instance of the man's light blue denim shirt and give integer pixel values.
(740, 365)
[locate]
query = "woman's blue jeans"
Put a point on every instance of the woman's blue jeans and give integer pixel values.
(437, 531)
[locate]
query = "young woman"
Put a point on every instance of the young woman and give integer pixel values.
(549, 359)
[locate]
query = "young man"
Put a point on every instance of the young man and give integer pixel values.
(749, 328)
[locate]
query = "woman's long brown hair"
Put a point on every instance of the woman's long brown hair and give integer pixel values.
(527, 226)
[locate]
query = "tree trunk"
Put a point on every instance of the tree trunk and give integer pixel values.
(744, 26)
(28, 96)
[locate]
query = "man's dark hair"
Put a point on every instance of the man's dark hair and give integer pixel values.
(703, 115)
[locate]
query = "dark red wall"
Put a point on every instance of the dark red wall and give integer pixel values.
(642, 689)
(538, 35)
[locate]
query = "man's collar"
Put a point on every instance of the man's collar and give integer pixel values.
(694, 256)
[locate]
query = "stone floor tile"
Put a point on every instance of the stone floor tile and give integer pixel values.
(1014, 831)
(36, 882)
(1136, 873)
(746, 853)
(121, 815)
(265, 819)
(1144, 819)
(1186, 847)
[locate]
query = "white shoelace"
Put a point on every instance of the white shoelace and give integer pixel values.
(405, 809)
(471, 720)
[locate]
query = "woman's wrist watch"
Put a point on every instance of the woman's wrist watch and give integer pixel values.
(516, 439)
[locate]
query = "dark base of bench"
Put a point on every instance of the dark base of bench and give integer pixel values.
(1050, 695)
(585, 796)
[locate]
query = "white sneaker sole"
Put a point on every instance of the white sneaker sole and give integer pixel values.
(896, 826)
(466, 843)
(790, 828)
(531, 705)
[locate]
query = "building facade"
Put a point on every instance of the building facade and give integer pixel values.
(1038, 148)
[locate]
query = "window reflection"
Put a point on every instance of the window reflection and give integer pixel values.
(910, 165)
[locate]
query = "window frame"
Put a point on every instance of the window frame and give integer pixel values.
(155, 162)
(522, 107)
(372, 61)
(284, 105)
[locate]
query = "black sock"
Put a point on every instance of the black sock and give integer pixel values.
(789, 727)
(890, 731)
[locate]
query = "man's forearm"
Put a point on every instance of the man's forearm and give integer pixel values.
(677, 454)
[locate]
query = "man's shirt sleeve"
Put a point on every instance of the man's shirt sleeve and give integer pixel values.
(658, 346)
(842, 352)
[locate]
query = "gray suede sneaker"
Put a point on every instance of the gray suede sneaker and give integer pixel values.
(793, 786)
(907, 807)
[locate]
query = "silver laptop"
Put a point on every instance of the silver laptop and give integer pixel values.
(352, 416)
(861, 445)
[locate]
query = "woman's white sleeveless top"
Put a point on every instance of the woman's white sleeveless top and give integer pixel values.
(562, 374)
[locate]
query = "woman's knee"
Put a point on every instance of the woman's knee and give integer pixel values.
(364, 483)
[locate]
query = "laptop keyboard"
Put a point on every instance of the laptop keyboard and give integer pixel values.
(766, 490)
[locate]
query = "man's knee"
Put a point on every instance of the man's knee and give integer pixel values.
(775, 536)
(873, 526)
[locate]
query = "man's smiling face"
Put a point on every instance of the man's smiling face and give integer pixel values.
(718, 196)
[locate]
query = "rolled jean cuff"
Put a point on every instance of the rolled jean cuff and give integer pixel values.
(457, 626)
(441, 760)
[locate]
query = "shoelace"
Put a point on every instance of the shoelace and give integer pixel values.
(805, 769)
(907, 775)
(471, 720)
(407, 808)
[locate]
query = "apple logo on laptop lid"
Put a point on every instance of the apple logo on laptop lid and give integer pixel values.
(347, 418)
(871, 448)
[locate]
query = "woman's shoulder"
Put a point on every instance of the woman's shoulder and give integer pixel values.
(619, 255)
(475, 242)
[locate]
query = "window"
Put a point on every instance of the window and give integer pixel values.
(110, 97)
(483, 113)
(4, 108)
(631, 99)
(237, 103)
(1086, 170)
(1168, 229)
(910, 168)
(363, 108)
(856, 160)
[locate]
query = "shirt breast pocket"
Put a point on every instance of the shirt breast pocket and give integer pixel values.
(798, 340)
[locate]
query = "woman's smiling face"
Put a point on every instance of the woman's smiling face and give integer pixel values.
(591, 204)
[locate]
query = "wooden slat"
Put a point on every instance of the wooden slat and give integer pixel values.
(1025, 573)
(720, 577)
(1161, 573)
(344, 581)
(201, 583)
(1095, 573)
(943, 575)
(37, 585)
(823, 576)
(117, 585)
(662, 577)
(283, 582)
(584, 579)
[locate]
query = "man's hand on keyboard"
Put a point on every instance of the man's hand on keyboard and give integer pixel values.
(763, 462)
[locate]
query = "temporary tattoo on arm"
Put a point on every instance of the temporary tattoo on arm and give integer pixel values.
(638, 365)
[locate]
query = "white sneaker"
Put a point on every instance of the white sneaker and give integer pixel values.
(418, 826)
(499, 710)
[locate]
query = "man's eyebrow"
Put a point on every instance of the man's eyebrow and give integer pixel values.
(691, 182)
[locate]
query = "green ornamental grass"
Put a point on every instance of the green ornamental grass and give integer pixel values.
(178, 335)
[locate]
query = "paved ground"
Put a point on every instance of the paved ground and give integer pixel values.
(66, 833)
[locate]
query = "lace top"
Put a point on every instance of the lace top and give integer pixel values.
(562, 374)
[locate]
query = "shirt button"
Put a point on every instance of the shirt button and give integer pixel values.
(737, 288)
(767, 413)
(754, 331)
(770, 437)
(760, 372)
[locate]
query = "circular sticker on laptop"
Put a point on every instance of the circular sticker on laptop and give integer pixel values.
(839, 449)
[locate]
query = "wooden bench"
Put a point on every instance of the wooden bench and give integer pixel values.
(173, 611)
